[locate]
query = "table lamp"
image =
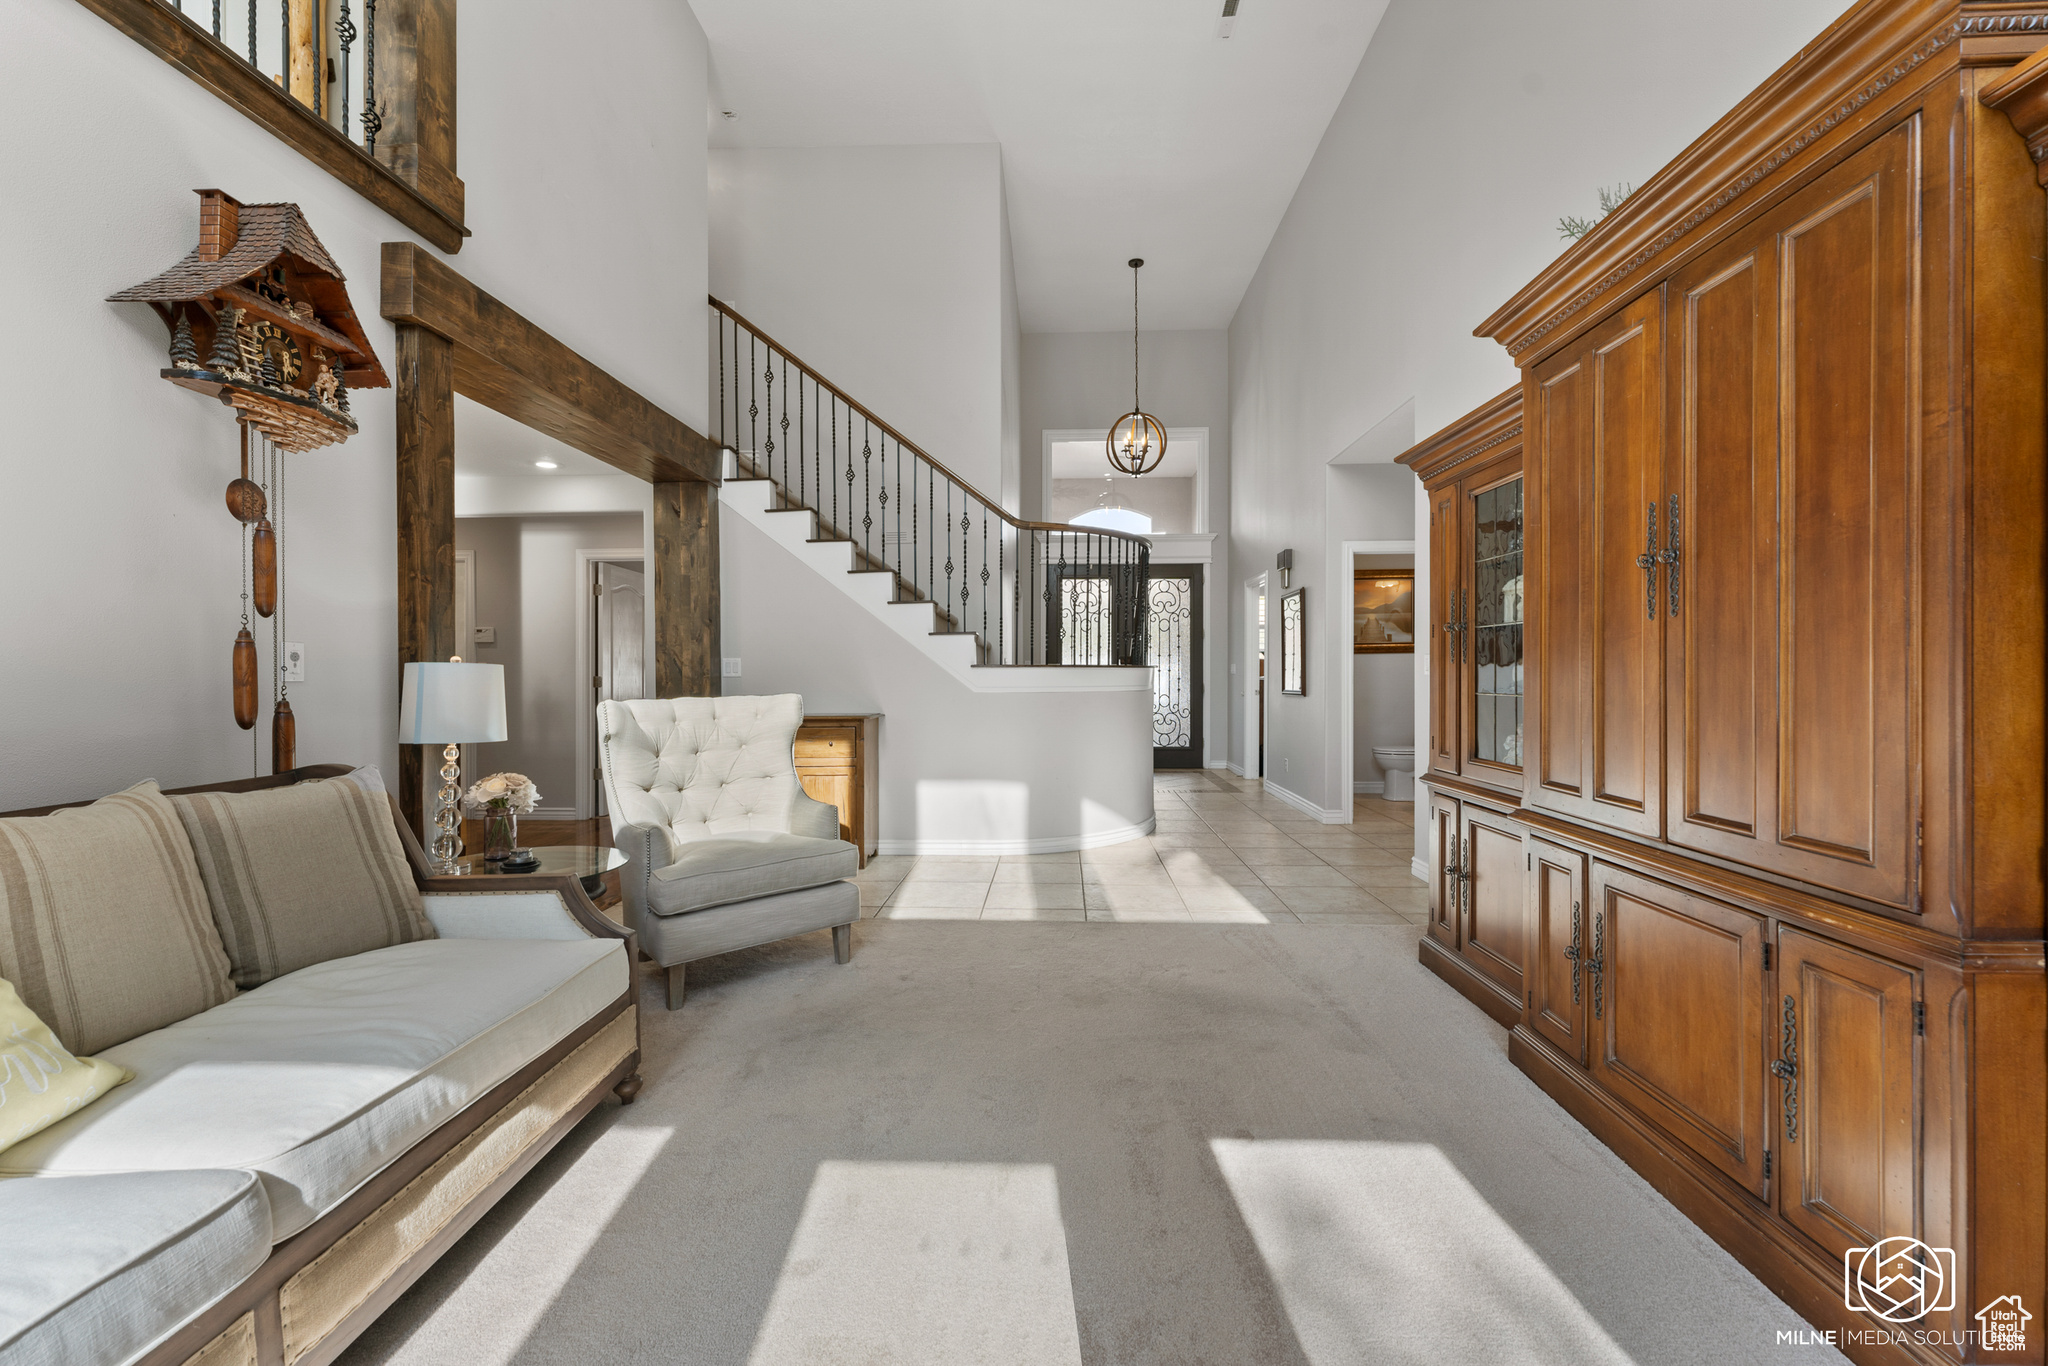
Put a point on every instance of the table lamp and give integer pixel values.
(451, 704)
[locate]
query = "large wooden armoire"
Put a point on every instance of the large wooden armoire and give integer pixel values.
(1738, 612)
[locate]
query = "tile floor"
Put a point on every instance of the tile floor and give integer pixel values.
(1224, 851)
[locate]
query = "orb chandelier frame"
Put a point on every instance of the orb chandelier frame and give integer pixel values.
(1137, 441)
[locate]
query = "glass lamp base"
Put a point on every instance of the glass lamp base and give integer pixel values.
(448, 815)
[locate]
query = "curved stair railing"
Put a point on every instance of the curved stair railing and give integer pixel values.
(1031, 593)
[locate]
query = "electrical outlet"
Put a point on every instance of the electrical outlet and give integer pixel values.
(1284, 764)
(484, 635)
(294, 662)
(732, 668)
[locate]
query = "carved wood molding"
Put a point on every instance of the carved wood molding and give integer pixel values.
(1492, 424)
(1860, 57)
(505, 362)
(202, 57)
(2023, 97)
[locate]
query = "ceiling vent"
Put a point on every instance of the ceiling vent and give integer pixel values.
(1229, 19)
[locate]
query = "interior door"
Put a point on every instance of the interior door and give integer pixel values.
(1791, 589)
(619, 628)
(1446, 634)
(1495, 936)
(1599, 462)
(1678, 1016)
(1845, 1070)
(1559, 947)
(1174, 621)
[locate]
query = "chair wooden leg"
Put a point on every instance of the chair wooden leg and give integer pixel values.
(627, 1089)
(842, 943)
(675, 987)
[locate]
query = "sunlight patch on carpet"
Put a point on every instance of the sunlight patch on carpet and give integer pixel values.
(1384, 1253)
(925, 1264)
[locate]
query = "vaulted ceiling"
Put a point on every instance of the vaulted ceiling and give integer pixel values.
(1127, 127)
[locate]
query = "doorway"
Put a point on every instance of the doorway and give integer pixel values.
(1255, 673)
(612, 642)
(1173, 600)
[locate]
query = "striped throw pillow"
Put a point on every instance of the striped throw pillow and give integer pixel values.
(303, 874)
(104, 929)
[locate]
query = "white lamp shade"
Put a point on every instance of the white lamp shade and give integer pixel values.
(451, 704)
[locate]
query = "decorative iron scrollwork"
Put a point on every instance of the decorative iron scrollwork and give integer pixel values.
(1597, 964)
(1573, 953)
(1648, 562)
(1669, 559)
(1786, 1069)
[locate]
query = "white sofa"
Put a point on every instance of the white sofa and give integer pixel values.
(284, 1164)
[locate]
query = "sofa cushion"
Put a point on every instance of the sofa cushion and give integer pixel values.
(104, 929)
(318, 1080)
(41, 1080)
(699, 767)
(121, 1261)
(744, 866)
(298, 875)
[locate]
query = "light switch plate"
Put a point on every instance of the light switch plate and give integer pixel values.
(485, 635)
(732, 668)
(294, 662)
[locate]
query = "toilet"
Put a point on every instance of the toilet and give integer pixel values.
(1399, 766)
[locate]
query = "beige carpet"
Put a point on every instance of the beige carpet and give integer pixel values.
(1082, 1143)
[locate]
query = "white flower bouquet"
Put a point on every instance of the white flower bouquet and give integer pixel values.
(513, 792)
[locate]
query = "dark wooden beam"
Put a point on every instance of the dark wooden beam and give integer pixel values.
(425, 376)
(427, 204)
(416, 63)
(686, 627)
(505, 362)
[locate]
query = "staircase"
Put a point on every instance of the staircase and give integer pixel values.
(1004, 604)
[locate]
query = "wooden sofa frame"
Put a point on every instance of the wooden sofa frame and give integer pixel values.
(247, 1327)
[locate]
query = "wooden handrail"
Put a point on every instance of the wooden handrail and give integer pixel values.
(915, 449)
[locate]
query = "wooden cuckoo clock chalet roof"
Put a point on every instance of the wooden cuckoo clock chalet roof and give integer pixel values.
(260, 317)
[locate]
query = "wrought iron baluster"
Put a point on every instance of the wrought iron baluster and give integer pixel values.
(948, 599)
(252, 35)
(885, 499)
(284, 43)
(1001, 548)
(966, 614)
(373, 118)
(753, 405)
(216, 17)
(835, 465)
(800, 439)
(867, 487)
(720, 320)
(984, 573)
(899, 506)
(345, 33)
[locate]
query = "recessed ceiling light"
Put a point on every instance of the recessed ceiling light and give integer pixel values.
(544, 464)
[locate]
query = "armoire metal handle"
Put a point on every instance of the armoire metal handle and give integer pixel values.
(1786, 1069)
(1597, 964)
(1648, 562)
(1669, 557)
(1573, 953)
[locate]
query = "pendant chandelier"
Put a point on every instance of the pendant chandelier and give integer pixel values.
(1136, 442)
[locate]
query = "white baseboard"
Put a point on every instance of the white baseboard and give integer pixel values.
(1307, 807)
(1419, 868)
(1051, 844)
(1238, 769)
(1220, 763)
(1369, 787)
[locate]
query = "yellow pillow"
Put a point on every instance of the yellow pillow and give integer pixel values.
(41, 1081)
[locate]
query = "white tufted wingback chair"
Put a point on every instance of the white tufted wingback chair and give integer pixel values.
(724, 849)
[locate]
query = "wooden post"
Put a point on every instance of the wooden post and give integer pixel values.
(305, 49)
(686, 629)
(425, 376)
(416, 65)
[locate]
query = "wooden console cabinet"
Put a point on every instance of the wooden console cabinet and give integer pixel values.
(1758, 885)
(838, 760)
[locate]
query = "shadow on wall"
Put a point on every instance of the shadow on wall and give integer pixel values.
(992, 816)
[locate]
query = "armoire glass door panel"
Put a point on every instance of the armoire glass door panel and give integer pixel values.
(1494, 573)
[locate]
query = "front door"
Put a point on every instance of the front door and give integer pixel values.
(1174, 623)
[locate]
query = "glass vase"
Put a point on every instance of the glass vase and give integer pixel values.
(501, 833)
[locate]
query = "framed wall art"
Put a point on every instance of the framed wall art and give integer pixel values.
(1383, 612)
(1293, 648)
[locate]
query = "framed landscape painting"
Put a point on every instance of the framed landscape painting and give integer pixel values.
(1383, 612)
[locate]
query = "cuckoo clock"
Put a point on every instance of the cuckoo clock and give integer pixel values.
(260, 319)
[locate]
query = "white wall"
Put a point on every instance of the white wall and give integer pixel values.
(885, 270)
(120, 561)
(961, 771)
(1081, 381)
(1406, 231)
